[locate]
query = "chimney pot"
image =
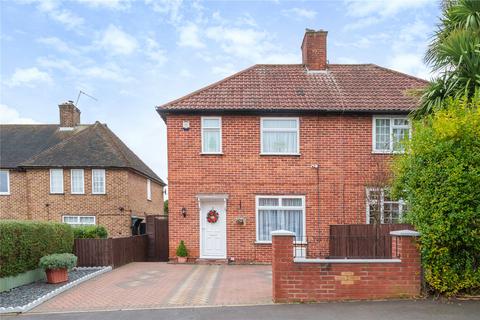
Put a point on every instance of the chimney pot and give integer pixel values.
(69, 115)
(314, 49)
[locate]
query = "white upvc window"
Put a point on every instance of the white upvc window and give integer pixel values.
(212, 135)
(280, 136)
(77, 181)
(280, 213)
(381, 208)
(389, 132)
(79, 220)
(56, 181)
(4, 182)
(98, 181)
(149, 189)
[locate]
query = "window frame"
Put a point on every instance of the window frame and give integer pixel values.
(104, 181)
(281, 207)
(6, 193)
(63, 186)
(71, 181)
(391, 118)
(401, 204)
(78, 219)
(149, 189)
(297, 120)
(202, 128)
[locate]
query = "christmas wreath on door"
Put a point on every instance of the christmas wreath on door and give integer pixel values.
(212, 216)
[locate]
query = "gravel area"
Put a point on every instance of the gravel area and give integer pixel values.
(23, 295)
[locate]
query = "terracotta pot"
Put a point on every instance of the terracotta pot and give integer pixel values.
(182, 259)
(56, 275)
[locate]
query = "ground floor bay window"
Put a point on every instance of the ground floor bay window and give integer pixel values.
(280, 213)
(381, 208)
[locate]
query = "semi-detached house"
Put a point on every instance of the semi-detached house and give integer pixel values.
(285, 146)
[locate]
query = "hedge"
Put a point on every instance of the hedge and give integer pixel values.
(23, 243)
(90, 232)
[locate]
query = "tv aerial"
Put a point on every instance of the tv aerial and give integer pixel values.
(80, 92)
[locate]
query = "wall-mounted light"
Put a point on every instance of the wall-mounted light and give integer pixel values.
(186, 125)
(184, 212)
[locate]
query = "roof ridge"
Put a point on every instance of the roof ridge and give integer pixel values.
(158, 108)
(399, 73)
(58, 145)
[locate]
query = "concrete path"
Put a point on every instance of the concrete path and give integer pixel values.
(158, 285)
(382, 310)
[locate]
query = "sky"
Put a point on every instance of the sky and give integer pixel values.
(134, 55)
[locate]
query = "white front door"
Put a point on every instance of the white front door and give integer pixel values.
(213, 236)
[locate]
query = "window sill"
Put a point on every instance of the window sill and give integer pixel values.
(4, 194)
(387, 152)
(270, 242)
(281, 154)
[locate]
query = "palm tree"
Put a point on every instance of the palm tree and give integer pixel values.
(455, 54)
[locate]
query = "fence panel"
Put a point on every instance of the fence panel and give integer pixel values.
(362, 240)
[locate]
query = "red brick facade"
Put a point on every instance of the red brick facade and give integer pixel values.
(320, 281)
(126, 196)
(340, 144)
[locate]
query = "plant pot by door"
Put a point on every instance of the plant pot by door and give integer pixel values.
(56, 275)
(182, 259)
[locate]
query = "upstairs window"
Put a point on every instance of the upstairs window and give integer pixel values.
(389, 132)
(4, 182)
(280, 136)
(149, 189)
(77, 181)
(56, 181)
(98, 181)
(76, 221)
(381, 208)
(212, 135)
(280, 213)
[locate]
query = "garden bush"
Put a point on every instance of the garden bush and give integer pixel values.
(23, 243)
(58, 261)
(90, 232)
(439, 176)
(182, 250)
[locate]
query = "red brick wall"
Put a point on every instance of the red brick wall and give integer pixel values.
(30, 199)
(310, 282)
(342, 145)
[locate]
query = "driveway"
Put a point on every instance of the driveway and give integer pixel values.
(143, 285)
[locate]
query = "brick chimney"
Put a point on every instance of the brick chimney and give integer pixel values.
(314, 50)
(69, 115)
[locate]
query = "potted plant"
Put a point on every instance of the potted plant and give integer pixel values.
(57, 265)
(182, 252)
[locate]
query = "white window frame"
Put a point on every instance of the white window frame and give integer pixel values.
(149, 190)
(51, 176)
(78, 220)
(392, 126)
(202, 128)
(8, 184)
(401, 204)
(71, 181)
(104, 181)
(257, 208)
(280, 130)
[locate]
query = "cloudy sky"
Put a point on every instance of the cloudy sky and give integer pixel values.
(134, 55)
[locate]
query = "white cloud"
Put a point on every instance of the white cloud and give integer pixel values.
(117, 42)
(189, 36)
(185, 73)
(225, 70)
(9, 115)
(29, 77)
(57, 44)
(64, 16)
(169, 8)
(411, 64)
(154, 52)
(300, 13)
(109, 4)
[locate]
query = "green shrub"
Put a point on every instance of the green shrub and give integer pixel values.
(23, 243)
(182, 250)
(90, 232)
(58, 261)
(439, 176)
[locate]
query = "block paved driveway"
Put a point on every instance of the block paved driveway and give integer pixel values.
(143, 285)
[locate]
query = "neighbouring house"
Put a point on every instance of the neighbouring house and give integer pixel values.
(297, 147)
(80, 174)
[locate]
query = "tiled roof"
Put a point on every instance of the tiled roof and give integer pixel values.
(361, 87)
(86, 146)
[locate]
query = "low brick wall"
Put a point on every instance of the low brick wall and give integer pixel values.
(310, 280)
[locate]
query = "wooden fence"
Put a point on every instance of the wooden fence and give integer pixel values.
(110, 252)
(363, 240)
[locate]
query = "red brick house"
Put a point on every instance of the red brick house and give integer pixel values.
(81, 174)
(294, 147)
